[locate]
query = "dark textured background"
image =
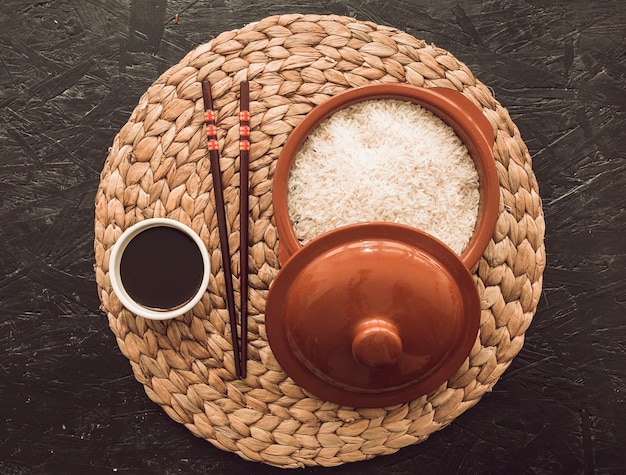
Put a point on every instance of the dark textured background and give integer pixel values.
(70, 74)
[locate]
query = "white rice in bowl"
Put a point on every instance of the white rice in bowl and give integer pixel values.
(384, 160)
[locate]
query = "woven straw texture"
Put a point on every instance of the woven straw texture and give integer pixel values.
(158, 166)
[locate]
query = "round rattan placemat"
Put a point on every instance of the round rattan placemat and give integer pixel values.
(158, 166)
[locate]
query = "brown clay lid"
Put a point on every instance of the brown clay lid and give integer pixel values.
(371, 315)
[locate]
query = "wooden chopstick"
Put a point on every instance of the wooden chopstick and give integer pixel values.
(211, 131)
(244, 157)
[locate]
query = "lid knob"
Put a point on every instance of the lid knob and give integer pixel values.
(376, 343)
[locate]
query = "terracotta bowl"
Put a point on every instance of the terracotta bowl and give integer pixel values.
(375, 314)
(468, 122)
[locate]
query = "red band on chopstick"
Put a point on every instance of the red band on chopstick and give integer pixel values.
(211, 130)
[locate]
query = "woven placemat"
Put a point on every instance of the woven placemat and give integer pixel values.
(158, 166)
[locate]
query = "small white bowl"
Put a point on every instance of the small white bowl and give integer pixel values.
(116, 259)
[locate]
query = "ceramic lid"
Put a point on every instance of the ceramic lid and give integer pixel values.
(374, 314)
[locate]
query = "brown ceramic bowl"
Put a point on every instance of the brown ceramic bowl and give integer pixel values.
(375, 314)
(451, 106)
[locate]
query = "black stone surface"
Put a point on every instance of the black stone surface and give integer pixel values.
(70, 74)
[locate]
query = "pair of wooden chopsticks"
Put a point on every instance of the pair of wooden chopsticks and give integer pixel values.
(241, 351)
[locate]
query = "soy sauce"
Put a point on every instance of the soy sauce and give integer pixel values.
(161, 268)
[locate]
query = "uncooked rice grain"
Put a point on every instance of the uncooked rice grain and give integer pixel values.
(384, 160)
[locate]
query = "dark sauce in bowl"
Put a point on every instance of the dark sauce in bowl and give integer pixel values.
(161, 268)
